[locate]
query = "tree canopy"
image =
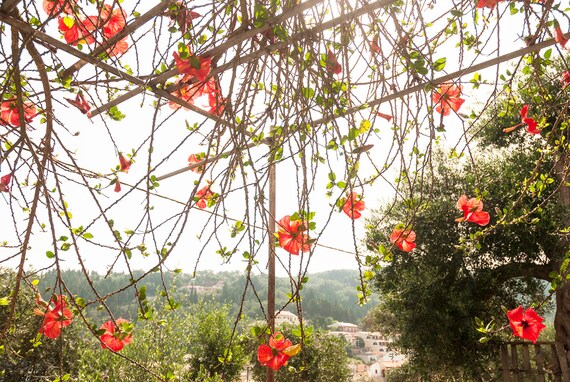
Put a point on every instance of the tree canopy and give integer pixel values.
(460, 272)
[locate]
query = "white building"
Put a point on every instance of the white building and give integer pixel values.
(359, 371)
(285, 317)
(343, 327)
(374, 342)
(370, 347)
(375, 371)
(378, 370)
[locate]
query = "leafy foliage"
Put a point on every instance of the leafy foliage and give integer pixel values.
(300, 90)
(432, 295)
(327, 297)
(323, 357)
(198, 346)
(24, 353)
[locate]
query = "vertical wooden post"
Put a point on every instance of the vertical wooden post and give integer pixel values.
(505, 362)
(271, 251)
(526, 360)
(539, 362)
(563, 361)
(557, 367)
(515, 363)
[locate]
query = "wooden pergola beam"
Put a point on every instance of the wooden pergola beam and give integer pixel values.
(127, 30)
(448, 77)
(44, 38)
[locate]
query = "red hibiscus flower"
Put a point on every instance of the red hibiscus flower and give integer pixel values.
(487, 3)
(9, 114)
(205, 95)
(277, 353)
(53, 7)
(5, 183)
(403, 238)
(119, 48)
(332, 63)
(117, 186)
(216, 103)
(291, 235)
(205, 197)
(70, 30)
(188, 93)
(54, 318)
(80, 102)
(353, 205)
(527, 324)
(531, 124)
(194, 66)
(387, 117)
(116, 337)
(559, 35)
(194, 159)
(88, 26)
(565, 79)
(374, 47)
(125, 163)
(114, 20)
(472, 211)
(447, 97)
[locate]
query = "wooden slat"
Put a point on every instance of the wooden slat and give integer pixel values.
(526, 359)
(563, 361)
(515, 363)
(505, 362)
(548, 362)
(539, 362)
(557, 369)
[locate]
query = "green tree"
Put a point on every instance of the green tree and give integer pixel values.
(197, 346)
(459, 271)
(431, 296)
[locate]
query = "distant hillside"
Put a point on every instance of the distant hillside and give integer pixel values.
(326, 297)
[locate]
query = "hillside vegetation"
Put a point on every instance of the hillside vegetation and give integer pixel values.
(327, 297)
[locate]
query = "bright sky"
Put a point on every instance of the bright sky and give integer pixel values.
(94, 149)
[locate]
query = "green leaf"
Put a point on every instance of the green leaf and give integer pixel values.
(50, 254)
(547, 53)
(364, 126)
(80, 301)
(439, 64)
(308, 93)
(353, 133)
(256, 331)
(115, 114)
(195, 62)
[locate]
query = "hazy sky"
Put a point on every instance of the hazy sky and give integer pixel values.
(94, 149)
